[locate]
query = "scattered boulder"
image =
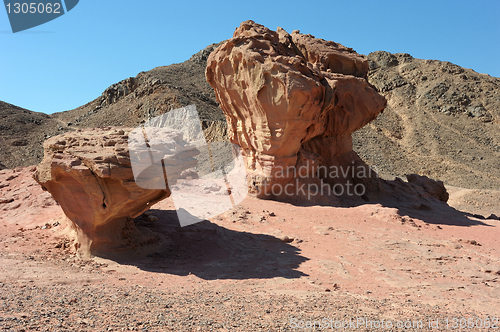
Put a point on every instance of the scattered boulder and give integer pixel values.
(434, 188)
(88, 172)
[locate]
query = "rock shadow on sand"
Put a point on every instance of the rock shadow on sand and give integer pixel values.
(409, 200)
(210, 251)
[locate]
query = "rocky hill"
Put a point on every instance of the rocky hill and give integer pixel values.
(22, 133)
(136, 99)
(441, 120)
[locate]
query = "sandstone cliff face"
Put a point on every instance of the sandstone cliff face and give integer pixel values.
(291, 100)
(88, 172)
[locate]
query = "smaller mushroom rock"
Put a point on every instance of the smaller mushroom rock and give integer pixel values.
(89, 173)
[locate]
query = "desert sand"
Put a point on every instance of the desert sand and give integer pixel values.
(265, 265)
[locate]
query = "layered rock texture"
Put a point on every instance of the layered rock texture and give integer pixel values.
(88, 172)
(291, 102)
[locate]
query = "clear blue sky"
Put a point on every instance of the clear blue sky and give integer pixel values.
(71, 60)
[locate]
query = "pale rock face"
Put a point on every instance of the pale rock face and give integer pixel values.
(88, 172)
(291, 100)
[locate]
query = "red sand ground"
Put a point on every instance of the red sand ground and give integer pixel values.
(257, 267)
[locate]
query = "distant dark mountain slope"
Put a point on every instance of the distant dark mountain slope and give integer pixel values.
(442, 120)
(22, 133)
(149, 94)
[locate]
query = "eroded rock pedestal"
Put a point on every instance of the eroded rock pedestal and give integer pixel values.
(88, 172)
(292, 102)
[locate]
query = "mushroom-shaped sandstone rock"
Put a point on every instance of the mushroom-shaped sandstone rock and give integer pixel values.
(292, 102)
(89, 173)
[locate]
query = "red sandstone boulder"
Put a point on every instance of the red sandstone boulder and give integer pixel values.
(88, 172)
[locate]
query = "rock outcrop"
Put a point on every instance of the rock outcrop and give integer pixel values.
(434, 188)
(291, 102)
(88, 172)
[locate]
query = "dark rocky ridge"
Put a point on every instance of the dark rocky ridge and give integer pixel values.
(441, 121)
(22, 133)
(149, 94)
